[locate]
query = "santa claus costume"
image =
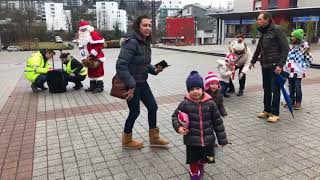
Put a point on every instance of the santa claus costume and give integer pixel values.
(91, 44)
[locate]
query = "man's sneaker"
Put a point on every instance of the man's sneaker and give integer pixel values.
(273, 118)
(263, 114)
(34, 87)
(297, 106)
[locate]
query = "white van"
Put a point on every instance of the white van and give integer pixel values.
(58, 39)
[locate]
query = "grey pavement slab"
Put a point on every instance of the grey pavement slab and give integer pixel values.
(88, 145)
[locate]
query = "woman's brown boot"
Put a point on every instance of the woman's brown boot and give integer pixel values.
(128, 142)
(154, 138)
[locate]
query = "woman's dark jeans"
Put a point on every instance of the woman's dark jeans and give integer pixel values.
(142, 92)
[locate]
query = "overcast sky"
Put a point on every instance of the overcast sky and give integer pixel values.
(214, 3)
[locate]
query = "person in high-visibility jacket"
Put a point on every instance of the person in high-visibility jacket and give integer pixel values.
(75, 72)
(37, 68)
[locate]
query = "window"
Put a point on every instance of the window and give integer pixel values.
(273, 4)
(293, 3)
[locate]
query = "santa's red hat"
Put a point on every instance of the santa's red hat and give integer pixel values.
(211, 78)
(84, 25)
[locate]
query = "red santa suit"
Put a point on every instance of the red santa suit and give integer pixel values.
(91, 43)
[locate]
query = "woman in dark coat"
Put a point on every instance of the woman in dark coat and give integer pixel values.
(133, 67)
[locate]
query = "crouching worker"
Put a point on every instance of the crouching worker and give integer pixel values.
(75, 72)
(37, 68)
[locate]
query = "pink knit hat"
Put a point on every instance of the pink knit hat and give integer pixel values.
(211, 78)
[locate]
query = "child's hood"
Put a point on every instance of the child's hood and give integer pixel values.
(205, 97)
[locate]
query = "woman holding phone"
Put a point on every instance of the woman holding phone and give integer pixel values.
(133, 66)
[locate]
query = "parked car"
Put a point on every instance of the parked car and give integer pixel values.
(12, 48)
(58, 39)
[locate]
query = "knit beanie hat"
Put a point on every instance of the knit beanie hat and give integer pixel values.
(299, 33)
(194, 80)
(211, 78)
(239, 45)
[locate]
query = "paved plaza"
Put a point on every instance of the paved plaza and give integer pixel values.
(77, 135)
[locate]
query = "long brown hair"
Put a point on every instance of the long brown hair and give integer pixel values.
(136, 27)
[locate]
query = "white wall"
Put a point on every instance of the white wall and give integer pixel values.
(308, 3)
(243, 5)
(187, 11)
(56, 17)
(171, 4)
(108, 15)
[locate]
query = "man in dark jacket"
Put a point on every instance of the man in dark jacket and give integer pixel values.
(272, 50)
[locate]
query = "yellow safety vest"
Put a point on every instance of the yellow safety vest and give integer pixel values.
(83, 71)
(35, 66)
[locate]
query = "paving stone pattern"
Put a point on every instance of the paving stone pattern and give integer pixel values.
(77, 135)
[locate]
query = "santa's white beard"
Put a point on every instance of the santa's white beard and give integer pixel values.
(84, 37)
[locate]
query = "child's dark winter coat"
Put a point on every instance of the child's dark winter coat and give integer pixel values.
(218, 99)
(204, 122)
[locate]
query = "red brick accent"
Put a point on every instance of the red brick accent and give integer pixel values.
(17, 127)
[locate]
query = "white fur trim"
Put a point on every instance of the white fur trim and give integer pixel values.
(97, 41)
(94, 52)
(91, 29)
(96, 78)
(84, 27)
(102, 59)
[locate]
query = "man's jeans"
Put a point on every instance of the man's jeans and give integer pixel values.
(271, 99)
(40, 80)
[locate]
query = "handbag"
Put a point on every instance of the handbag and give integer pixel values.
(90, 62)
(118, 88)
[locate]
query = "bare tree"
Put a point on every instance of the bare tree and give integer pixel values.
(68, 21)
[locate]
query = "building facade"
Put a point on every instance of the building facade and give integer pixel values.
(109, 16)
(291, 14)
(170, 8)
(56, 17)
(205, 26)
